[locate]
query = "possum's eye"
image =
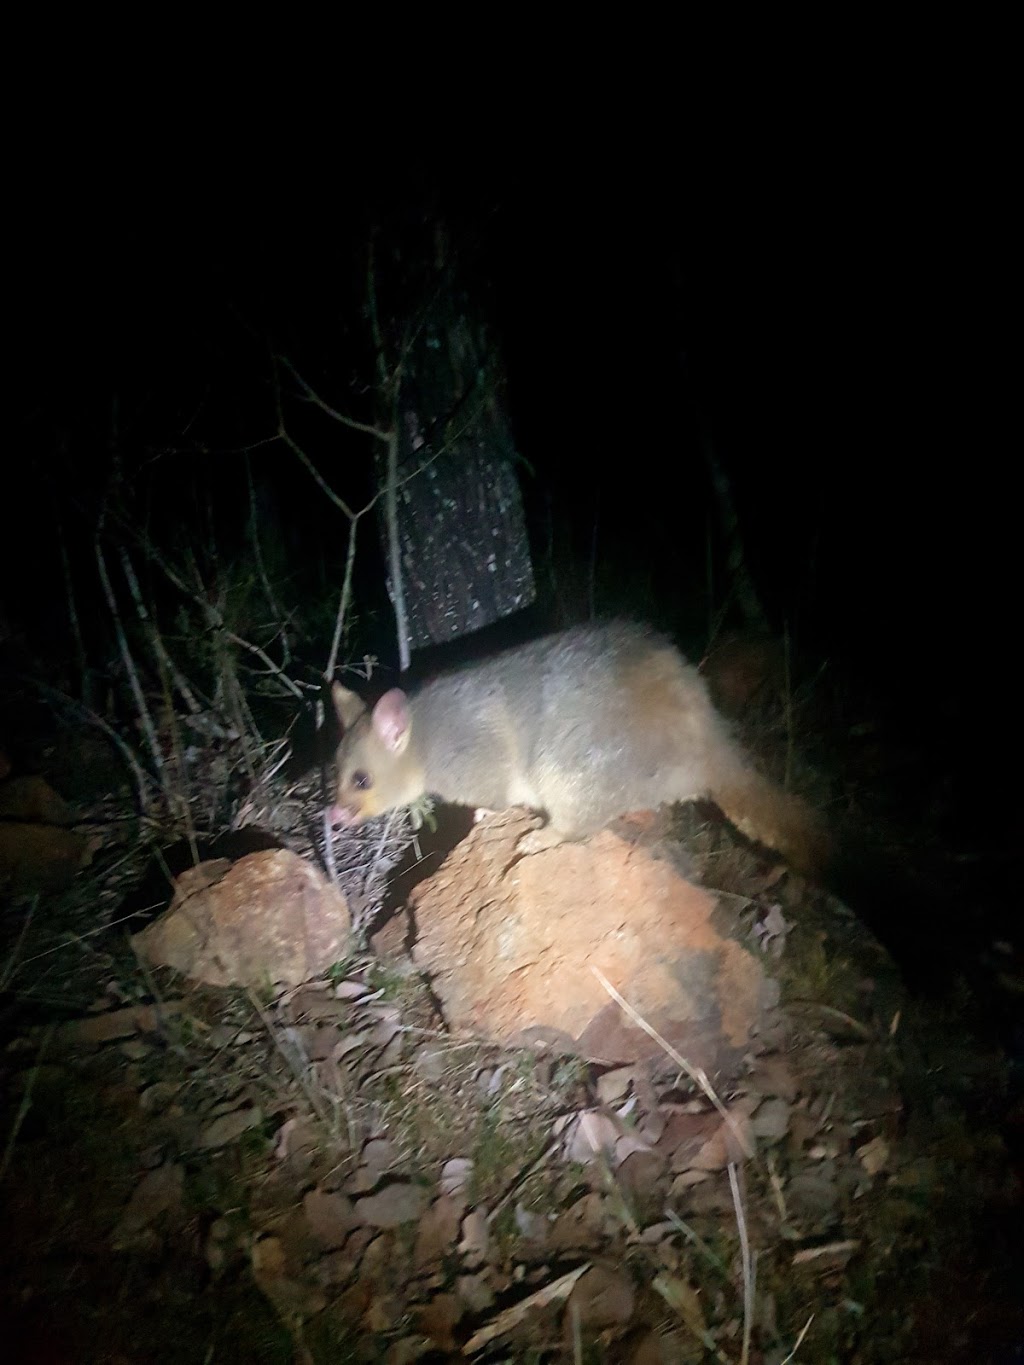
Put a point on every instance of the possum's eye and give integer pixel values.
(361, 780)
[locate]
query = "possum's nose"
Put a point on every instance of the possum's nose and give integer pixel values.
(341, 815)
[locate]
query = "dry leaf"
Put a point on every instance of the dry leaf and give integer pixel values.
(874, 1155)
(438, 1231)
(604, 1297)
(771, 1121)
(592, 1133)
(230, 1127)
(158, 1192)
(683, 1299)
(511, 1317)
(395, 1204)
(455, 1175)
(614, 1084)
(330, 1217)
(476, 1237)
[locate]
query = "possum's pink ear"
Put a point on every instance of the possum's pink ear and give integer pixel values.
(348, 707)
(392, 721)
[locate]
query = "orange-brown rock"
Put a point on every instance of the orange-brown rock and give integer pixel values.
(269, 918)
(509, 944)
(36, 852)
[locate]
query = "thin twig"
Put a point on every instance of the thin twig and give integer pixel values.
(76, 628)
(343, 600)
(11, 965)
(254, 535)
(365, 427)
(315, 474)
(155, 639)
(265, 658)
(395, 552)
(695, 1073)
(746, 1263)
(145, 719)
(62, 699)
(26, 1101)
(796, 1346)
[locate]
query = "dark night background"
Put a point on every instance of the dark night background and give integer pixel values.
(832, 302)
(837, 322)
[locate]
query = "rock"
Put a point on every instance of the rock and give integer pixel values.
(32, 799)
(269, 918)
(39, 857)
(509, 942)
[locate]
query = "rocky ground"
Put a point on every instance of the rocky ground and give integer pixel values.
(341, 1170)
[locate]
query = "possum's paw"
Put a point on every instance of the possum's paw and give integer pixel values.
(536, 840)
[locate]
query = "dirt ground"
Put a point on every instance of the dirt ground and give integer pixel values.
(328, 1173)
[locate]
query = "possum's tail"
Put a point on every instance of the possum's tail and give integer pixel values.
(768, 815)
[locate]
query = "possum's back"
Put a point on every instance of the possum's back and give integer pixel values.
(586, 725)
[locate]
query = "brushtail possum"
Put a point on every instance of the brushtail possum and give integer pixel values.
(582, 726)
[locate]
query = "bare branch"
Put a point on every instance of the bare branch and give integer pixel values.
(395, 554)
(265, 658)
(343, 600)
(142, 779)
(254, 534)
(155, 639)
(321, 483)
(145, 719)
(314, 398)
(76, 627)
